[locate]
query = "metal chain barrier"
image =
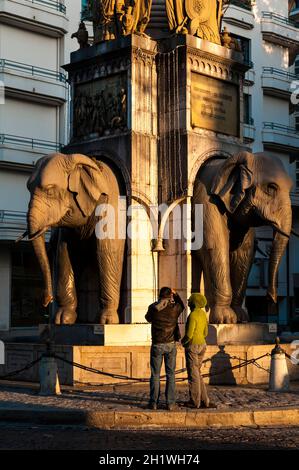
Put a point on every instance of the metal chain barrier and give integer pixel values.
(134, 380)
(19, 371)
(179, 371)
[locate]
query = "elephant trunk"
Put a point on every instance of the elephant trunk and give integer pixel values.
(39, 246)
(279, 245)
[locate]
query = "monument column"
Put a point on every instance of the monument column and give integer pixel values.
(200, 90)
(114, 91)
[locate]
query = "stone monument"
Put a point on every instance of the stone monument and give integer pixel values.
(155, 109)
(158, 94)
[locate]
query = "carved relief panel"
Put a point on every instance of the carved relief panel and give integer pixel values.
(100, 107)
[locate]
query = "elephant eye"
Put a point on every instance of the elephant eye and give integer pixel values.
(50, 191)
(272, 188)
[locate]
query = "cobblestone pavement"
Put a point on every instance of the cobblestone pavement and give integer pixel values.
(136, 396)
(19, 437)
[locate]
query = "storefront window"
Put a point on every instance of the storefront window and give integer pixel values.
(26, 288)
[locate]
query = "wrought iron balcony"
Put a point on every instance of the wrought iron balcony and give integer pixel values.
(13, 224)
(13, 217)
(46, 17)
(239, 13)
(277, 82)
(281, 127)
(280, 137)
(13, 140)
(280, 19)
(32, 70)
(55, 4)
(280, 73)
(279, 29)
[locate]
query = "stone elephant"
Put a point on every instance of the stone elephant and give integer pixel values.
(239, 193)
(65, 191)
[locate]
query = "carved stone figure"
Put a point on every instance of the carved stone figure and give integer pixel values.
(65, 191)
(82, 36)
(239, 193)
(114, 18)
(99, 113)
(199, 18)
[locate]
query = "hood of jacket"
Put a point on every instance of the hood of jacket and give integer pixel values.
(198, 300)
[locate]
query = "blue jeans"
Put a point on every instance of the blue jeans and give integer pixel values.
(158, 352)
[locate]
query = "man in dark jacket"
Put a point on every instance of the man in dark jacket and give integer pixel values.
(163, 315)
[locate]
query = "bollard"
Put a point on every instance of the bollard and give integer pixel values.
(279, 374)
(48, 375)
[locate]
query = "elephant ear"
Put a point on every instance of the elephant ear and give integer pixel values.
(87, 184)
(234, 177)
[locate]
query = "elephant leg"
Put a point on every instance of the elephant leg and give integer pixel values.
(241, 260)
(110, 260)
(65, 291)
(214, 257)
(215, 264)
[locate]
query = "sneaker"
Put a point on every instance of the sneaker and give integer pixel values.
(172, 407)
(152, 406)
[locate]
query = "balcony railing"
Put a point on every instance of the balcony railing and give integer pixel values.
(11, 217)
(32, 70)
(280, 127)
(280, 73)
(30, 143)
(246, 4)
(280, 19)
(55, 4)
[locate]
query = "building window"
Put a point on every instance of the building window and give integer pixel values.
(246, 4)
(297, 123)
(245, 44)
(85, 12)
(248, 110)
(26, 288)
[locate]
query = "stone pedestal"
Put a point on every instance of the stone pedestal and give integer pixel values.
(243, 333)
(98, 335)
(140, 334)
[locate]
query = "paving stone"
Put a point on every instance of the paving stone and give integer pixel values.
(136, 397)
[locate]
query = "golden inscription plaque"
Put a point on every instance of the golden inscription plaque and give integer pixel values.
(214, 105)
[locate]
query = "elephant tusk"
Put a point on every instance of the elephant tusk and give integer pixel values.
(21, 237)
(271, 298)
(37, 234)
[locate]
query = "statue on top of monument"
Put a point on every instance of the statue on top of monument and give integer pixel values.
(201, 18)
(115, 18)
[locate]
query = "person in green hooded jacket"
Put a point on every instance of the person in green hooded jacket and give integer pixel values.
(195, 346)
